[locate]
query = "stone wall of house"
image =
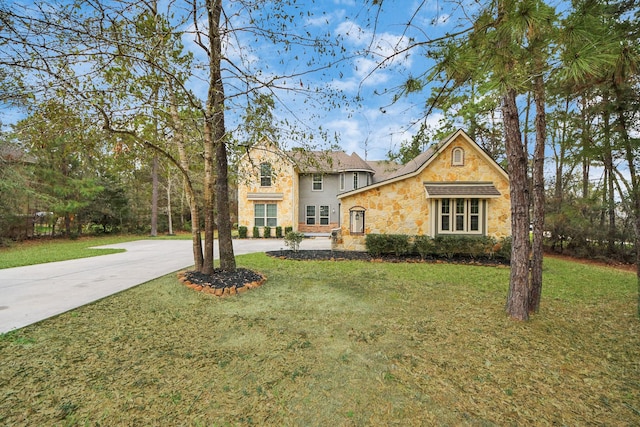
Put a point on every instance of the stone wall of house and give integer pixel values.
(285, 182)
(402, 207)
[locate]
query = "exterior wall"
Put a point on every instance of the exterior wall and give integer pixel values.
(402, 207)
(282, 191)
(327, 197)
(364, 179)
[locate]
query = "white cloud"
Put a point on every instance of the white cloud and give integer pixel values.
(345, 2)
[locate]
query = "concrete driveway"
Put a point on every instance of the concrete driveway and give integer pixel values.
(34, 293)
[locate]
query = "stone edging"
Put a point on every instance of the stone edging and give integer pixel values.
(221, 292)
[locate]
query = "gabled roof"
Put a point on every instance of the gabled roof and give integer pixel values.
(383, 169)
(413, 165)
(328, 161)
(420, 162)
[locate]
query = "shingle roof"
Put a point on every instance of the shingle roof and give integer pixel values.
(465, 189)
(328, 161)
(383, 169)
(413, 165)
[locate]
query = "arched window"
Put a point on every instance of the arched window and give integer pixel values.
(457, 157)
(265, 174)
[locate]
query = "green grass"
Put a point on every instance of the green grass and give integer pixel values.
(42, 251)
(336, 343)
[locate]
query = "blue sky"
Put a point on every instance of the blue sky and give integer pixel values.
(376, 124)
(371, 127)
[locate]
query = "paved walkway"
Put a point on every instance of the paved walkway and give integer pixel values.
(34, 293)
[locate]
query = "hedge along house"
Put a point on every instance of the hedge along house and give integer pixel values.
(453, 188)
(299, 188)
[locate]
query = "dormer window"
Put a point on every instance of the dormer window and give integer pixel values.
(457, 157)
(265, 174)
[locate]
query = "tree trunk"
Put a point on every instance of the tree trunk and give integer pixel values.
(518, 299)
(178, 136)
(535, 291)
(154, 196)
(169, 215)
(631, 157)
(586, 156)
(209, 179)
(215, 107)
(609, 200)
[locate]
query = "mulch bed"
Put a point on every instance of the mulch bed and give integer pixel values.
(222, 283)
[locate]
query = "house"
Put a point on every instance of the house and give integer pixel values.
(454, 187)
(299, 188)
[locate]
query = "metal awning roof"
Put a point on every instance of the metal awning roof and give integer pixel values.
(481, 190)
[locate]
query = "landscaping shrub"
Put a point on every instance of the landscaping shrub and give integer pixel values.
(279, 232)
(293, 239)
(466, 246)
(375, 244)
(399, 244)
(256, 232)
(424, 246)
(378, 244)
(503, 250)
(447, 246)
(242, 232)
(266, 232)
(288, 229)
(479, 247)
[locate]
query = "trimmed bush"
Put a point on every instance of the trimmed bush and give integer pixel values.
(375, 244)
(288, 230)
(279, 232)
(266, 232)
(503, 249)
(293, 239)
(399, 244)
(256, 232)
(466, 246)
(242, 232)
(424, 246)
(447, 246)
(378, 244)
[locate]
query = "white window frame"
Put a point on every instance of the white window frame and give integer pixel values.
(460, 213)
(323, 214)
(457, 157)
(320, 181)
(342, 181)
(310, 219)
(265, 219)
(265, 176)
(355, 180)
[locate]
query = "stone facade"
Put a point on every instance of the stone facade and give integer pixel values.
(281, 192)
(400, 205)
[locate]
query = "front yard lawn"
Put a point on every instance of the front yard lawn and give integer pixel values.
(344, 343)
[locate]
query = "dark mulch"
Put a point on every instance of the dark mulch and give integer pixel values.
(329, 255)
(223, 279)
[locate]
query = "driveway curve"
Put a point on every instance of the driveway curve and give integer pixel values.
(33, 293)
